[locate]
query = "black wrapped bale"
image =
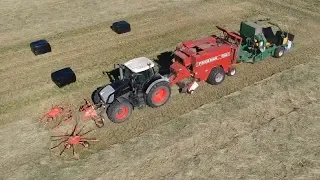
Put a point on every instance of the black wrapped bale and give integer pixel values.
(63, 77)
(40, 47)
(121, 27)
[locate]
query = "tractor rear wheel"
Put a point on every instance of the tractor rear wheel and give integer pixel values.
(278, 53)
(159, 94)
(216, 76)
(119, 112)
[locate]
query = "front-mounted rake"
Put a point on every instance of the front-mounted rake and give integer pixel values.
(73, 139)
(90, 112)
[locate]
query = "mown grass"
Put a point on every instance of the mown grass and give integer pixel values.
(102, 60)
(27, 95)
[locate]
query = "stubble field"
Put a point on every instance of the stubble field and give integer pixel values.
(81, 38)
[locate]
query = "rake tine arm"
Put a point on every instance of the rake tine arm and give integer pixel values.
(43, 117)
(45, 124)
(86, 139)
(74, 129)
(68, 119)
(59, 144)
(73, 149)
(60, 103)
(61, 139)
(57, 124)
(80, 130)
(87, 132)
(66, 135)
(61, 136)
(63, 150)
(89, 140)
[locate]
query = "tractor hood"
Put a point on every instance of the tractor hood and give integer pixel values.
(110, 92)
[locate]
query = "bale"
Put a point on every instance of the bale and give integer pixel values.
(121, 27)
(40, 47)
(63, 77)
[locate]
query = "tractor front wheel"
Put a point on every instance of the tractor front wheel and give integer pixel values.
(95, 97)
(278, 53)
(119, 112)
(216, 76)
(159, 94)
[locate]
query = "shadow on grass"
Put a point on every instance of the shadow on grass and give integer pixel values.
(113, 75)
(164, 60)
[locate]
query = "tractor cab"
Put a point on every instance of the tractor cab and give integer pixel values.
(261, 39)
(139, 71)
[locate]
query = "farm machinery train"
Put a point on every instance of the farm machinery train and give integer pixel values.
(138, 84)
(208, 59)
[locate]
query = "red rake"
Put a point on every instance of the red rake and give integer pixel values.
(55, 113)
(90, 112)
(73, 139)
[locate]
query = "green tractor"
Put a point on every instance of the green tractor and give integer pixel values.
(260, 41)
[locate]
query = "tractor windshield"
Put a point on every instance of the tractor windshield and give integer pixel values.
(127, 72)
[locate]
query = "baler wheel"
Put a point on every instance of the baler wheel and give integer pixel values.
(119, 112)
(232, 71)
(216, 76)
(159, 94)
(278, 53)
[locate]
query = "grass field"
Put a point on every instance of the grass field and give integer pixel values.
(265, 131)
(81, 38)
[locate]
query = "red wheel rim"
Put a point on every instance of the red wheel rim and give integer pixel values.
(160, 95)
(122, 113)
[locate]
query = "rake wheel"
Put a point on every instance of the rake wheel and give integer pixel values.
(57, 113)
(73, 139)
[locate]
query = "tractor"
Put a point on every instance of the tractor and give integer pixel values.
(260, 41)
(138, 85)
(207, 59)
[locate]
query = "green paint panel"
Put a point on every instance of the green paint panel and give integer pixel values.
(250, 29)
(253, 31)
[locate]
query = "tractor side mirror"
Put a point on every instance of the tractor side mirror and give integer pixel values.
(134, 75)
